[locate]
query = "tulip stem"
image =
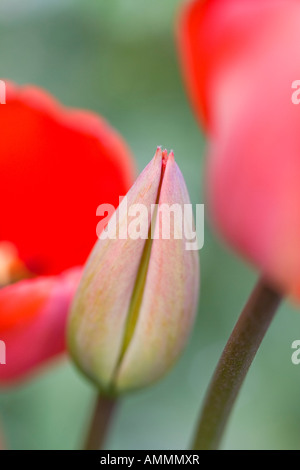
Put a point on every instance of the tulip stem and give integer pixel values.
(234, 364)
(2, 441)
(100, 423)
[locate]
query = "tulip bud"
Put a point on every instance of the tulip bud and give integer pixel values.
(136, 302)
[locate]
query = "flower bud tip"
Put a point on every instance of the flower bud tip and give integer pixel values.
(164, 158)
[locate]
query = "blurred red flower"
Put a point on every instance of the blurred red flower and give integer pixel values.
(57, 165)
(239, 60)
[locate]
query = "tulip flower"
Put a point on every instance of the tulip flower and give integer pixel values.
(136, 302)
(239, 61)
(57, 165)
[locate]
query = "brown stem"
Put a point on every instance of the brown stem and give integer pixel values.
(234, 364)
(2, 441)
(100, 424)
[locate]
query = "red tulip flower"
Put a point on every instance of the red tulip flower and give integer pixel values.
(56, 165)
(240, 59)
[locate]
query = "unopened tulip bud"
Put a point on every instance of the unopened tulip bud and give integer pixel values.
(137, 299)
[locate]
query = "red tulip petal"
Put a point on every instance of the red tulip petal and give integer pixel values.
(240, 60)
(216, 36)
(33, 317)
(57, 165)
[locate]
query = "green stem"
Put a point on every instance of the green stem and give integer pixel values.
(234, 364)
(2, 442)
(100, 423)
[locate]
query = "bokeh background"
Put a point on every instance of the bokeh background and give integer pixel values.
(118, 58)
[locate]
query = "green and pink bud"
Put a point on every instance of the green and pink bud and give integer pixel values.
(136, 303)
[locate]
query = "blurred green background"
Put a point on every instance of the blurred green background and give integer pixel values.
(118, 58)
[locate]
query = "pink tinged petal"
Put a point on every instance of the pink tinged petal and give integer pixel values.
(240, 60)
(37, 337)
(99, 313)
(254, 161)
(169, 300)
